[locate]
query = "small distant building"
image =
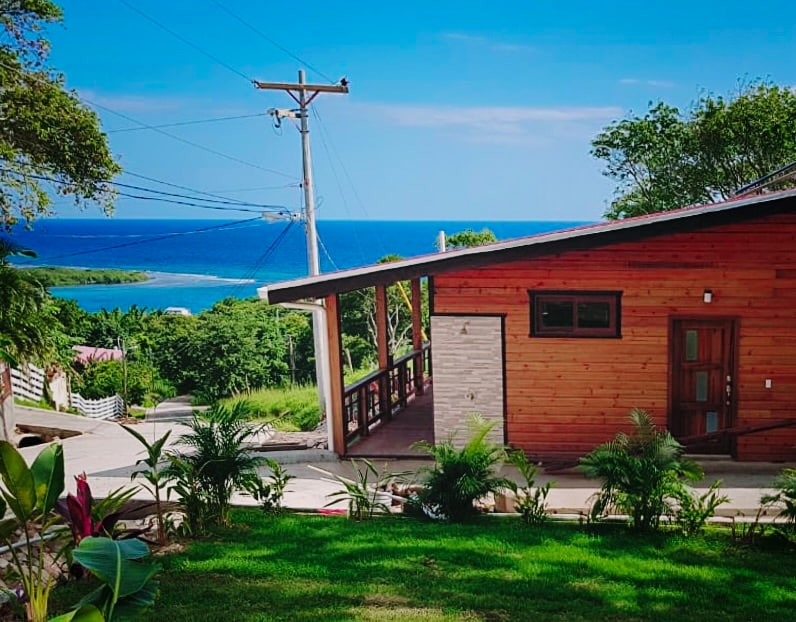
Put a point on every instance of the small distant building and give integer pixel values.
(177, 311)
(89, 354)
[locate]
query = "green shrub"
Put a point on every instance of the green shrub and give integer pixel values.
(641, 473)
(288, 409)
(363, 494)
(271, 493)
(105, 378)
(694, 509)
(785, 486)
(218, 463)
(532, 500)
(460, 477)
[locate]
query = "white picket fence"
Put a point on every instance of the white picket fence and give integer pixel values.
(105, 408)
(28, 382)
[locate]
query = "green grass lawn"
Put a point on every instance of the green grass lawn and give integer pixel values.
(288, 408)
(303, 568)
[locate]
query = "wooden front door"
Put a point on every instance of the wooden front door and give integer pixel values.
(702, 391)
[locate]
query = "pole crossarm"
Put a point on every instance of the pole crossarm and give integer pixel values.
(287, 86)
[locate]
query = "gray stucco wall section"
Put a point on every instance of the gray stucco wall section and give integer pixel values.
(467, 360)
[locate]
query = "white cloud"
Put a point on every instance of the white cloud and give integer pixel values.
(654, 83)
(505, 118)
(498, 124)
(494, 45)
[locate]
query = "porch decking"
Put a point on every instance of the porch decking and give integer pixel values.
(393, 438)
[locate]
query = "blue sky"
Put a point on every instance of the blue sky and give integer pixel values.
(457, 111)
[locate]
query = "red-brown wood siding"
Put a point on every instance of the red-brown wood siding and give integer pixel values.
(566, 395)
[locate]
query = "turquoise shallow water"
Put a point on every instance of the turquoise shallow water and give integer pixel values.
(193, 263)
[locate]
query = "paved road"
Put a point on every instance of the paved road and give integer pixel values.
(175, 409)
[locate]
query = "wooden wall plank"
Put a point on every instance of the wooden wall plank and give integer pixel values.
(567, 395)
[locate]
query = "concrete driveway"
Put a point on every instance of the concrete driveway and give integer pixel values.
(108, 455)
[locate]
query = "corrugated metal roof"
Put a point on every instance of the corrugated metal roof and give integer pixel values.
(532, 246)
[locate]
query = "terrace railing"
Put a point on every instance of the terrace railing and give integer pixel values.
(383, 394)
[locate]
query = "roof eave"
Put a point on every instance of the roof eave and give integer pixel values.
(525, 248)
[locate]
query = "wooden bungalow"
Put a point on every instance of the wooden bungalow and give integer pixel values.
(689, 314)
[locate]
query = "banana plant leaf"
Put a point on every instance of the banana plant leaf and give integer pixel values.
(86, 613)
(48, 477)
(127, 580)
(20, 490)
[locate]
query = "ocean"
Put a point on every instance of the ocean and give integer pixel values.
(195, 263)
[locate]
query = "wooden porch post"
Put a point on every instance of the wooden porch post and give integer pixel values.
(383, 348)
(417, 335)
(336, 418)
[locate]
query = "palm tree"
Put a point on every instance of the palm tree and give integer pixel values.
(641, 472)
(220, 461)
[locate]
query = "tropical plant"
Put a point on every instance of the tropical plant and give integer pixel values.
(641, 473)
(183, 482)
(785, 497)
(460, 477)
(532, 499)
(270, 494)
(153, 474)
(86, 518)
(30, 493)
(693, 510)
(127, 582)
(220, 461)
(363, 495)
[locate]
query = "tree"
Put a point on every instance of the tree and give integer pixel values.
(358, 317)
(667, 159)
(469, 238)
(237, 346)
(46, 132)
(26, 315)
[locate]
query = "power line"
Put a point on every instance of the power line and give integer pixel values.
(189, 204)
(196, 122)
(328, 255)
(204, 192)
(183, 196)
(324, 134)
(248, 275)
(186, 141)
(237, 206)
(259, 188)
(264, 36)
(137, 242)
(187, 42)
(151, 127)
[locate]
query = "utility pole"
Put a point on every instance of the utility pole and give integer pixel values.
(303, 94)
(121, 345)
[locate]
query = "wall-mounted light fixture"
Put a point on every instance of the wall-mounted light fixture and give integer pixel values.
(707, 296)
(464, 330)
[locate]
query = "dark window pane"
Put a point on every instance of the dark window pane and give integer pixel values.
(701, 386)
(557, 315)
(711, 421)
(594, 315)
(691, 345)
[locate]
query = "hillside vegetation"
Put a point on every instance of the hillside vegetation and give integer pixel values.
(50, 276)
